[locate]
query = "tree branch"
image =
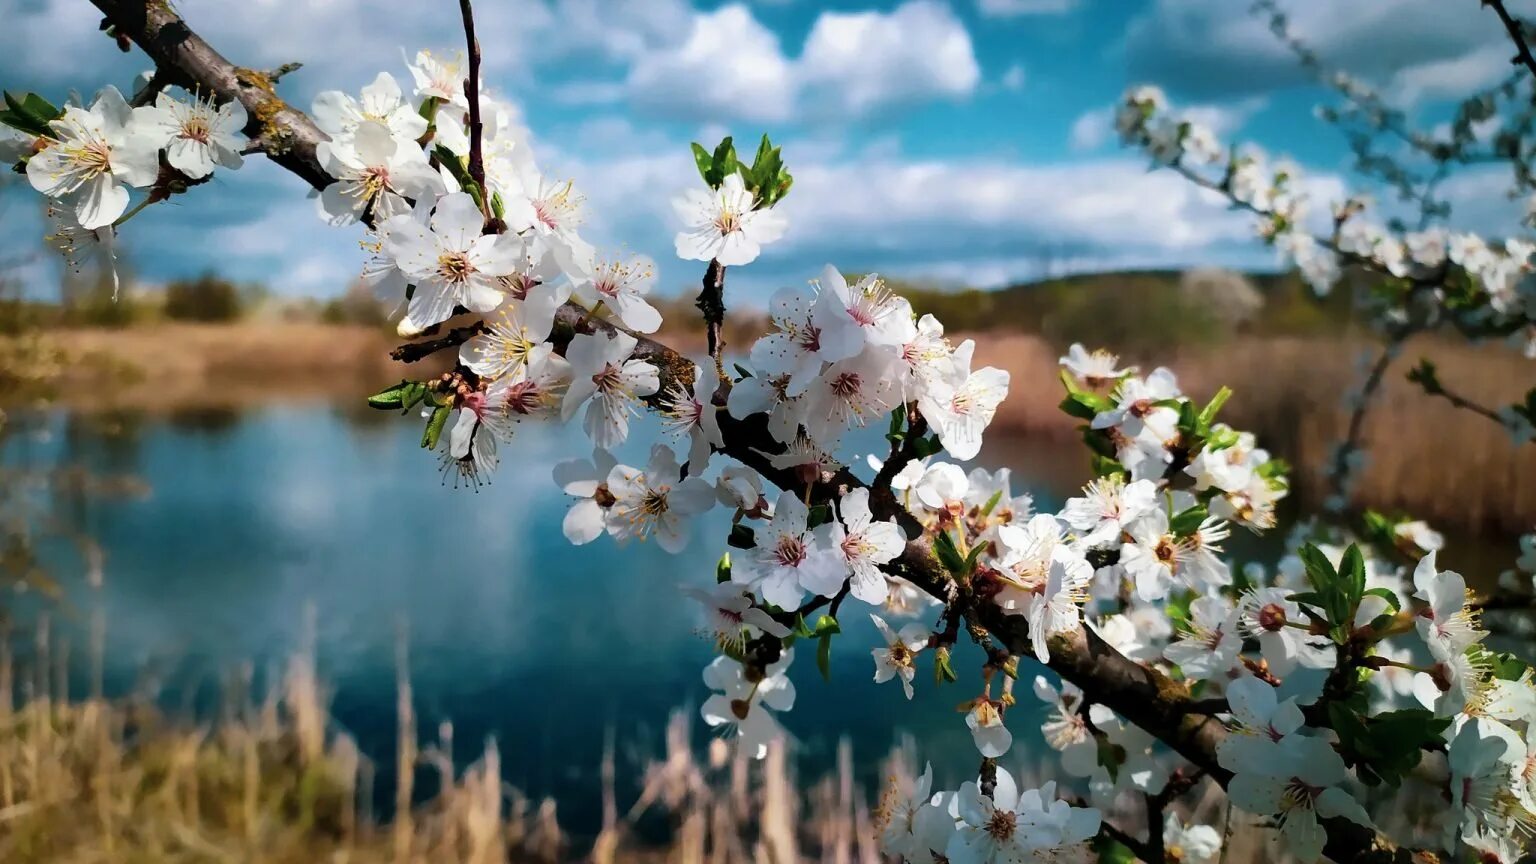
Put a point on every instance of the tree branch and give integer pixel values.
(1516, 30)
(472, 95)
(1143, 696)
(411, 352)
(711, 302)
(284, 133)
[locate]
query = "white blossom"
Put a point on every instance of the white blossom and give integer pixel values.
(196, 135)
(90, 155)
(721, 224)
(609, 382)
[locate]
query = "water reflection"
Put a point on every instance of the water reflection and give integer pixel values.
(254, 517)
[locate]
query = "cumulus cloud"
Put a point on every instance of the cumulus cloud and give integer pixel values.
(1212, 47)
(729, 66)
(852, 65)
(863, 62)
(1453, 78)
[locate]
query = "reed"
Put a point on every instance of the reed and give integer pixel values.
(276, 781)
(1425, 457)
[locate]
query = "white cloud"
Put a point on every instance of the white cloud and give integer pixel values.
(1212, 47)
(852, 65)
(1015, 8)
(729, 66)
(582, 93)
(1014, 78)
(976, 220)
(1454, 78)
(1092, 129)
(864, 62)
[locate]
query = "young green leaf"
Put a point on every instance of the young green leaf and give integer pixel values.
(435, 424)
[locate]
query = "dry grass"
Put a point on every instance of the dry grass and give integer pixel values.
(185, 365)
(1425, 456)
(275, 782)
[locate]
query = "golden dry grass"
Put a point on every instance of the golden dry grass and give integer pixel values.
(1427, 457)
(276, 782)
(180, 365)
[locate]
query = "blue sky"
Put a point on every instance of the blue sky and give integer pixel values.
(966, 142)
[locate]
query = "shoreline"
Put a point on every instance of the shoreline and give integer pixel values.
(1288, 390)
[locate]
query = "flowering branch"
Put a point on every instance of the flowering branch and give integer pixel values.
(561, 332)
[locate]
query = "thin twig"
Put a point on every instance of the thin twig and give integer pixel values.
(1463, 402)
(411, 352)
(1338, 475)
(472, 94)
(711, 302)
(1516, 31)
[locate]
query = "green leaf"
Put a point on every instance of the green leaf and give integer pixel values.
(942, 670)
(1508, 667)
(986, 509)
(705, 162)
(412, 395)
(1352, 572)
(1187, 523)
(801, 630)
(826, 624)
(819, 514)
(949, 556)
(1085, 405)
(1386, 594)
(30, 113)
(389, 398)
(1208, 414)
(723, 569)
(723, 163)
(1383, 749)
(435, 424)
(1310, 598)
(927, 446)
(460, 172)
(1320, 572)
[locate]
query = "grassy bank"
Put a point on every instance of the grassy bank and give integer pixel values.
(187, 365)
(1425, 456)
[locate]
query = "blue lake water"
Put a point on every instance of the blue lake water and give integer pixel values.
(252, 517)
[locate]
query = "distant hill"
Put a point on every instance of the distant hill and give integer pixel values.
(1139, 308)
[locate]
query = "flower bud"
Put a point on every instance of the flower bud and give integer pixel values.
(1272, 617)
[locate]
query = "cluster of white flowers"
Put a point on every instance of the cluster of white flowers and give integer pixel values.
(1137, 558)
(844, 355)
(85, 159)
(986, 823)
(1498, 295)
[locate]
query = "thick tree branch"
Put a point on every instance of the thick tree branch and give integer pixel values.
(284, 133)
(1143, 696)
